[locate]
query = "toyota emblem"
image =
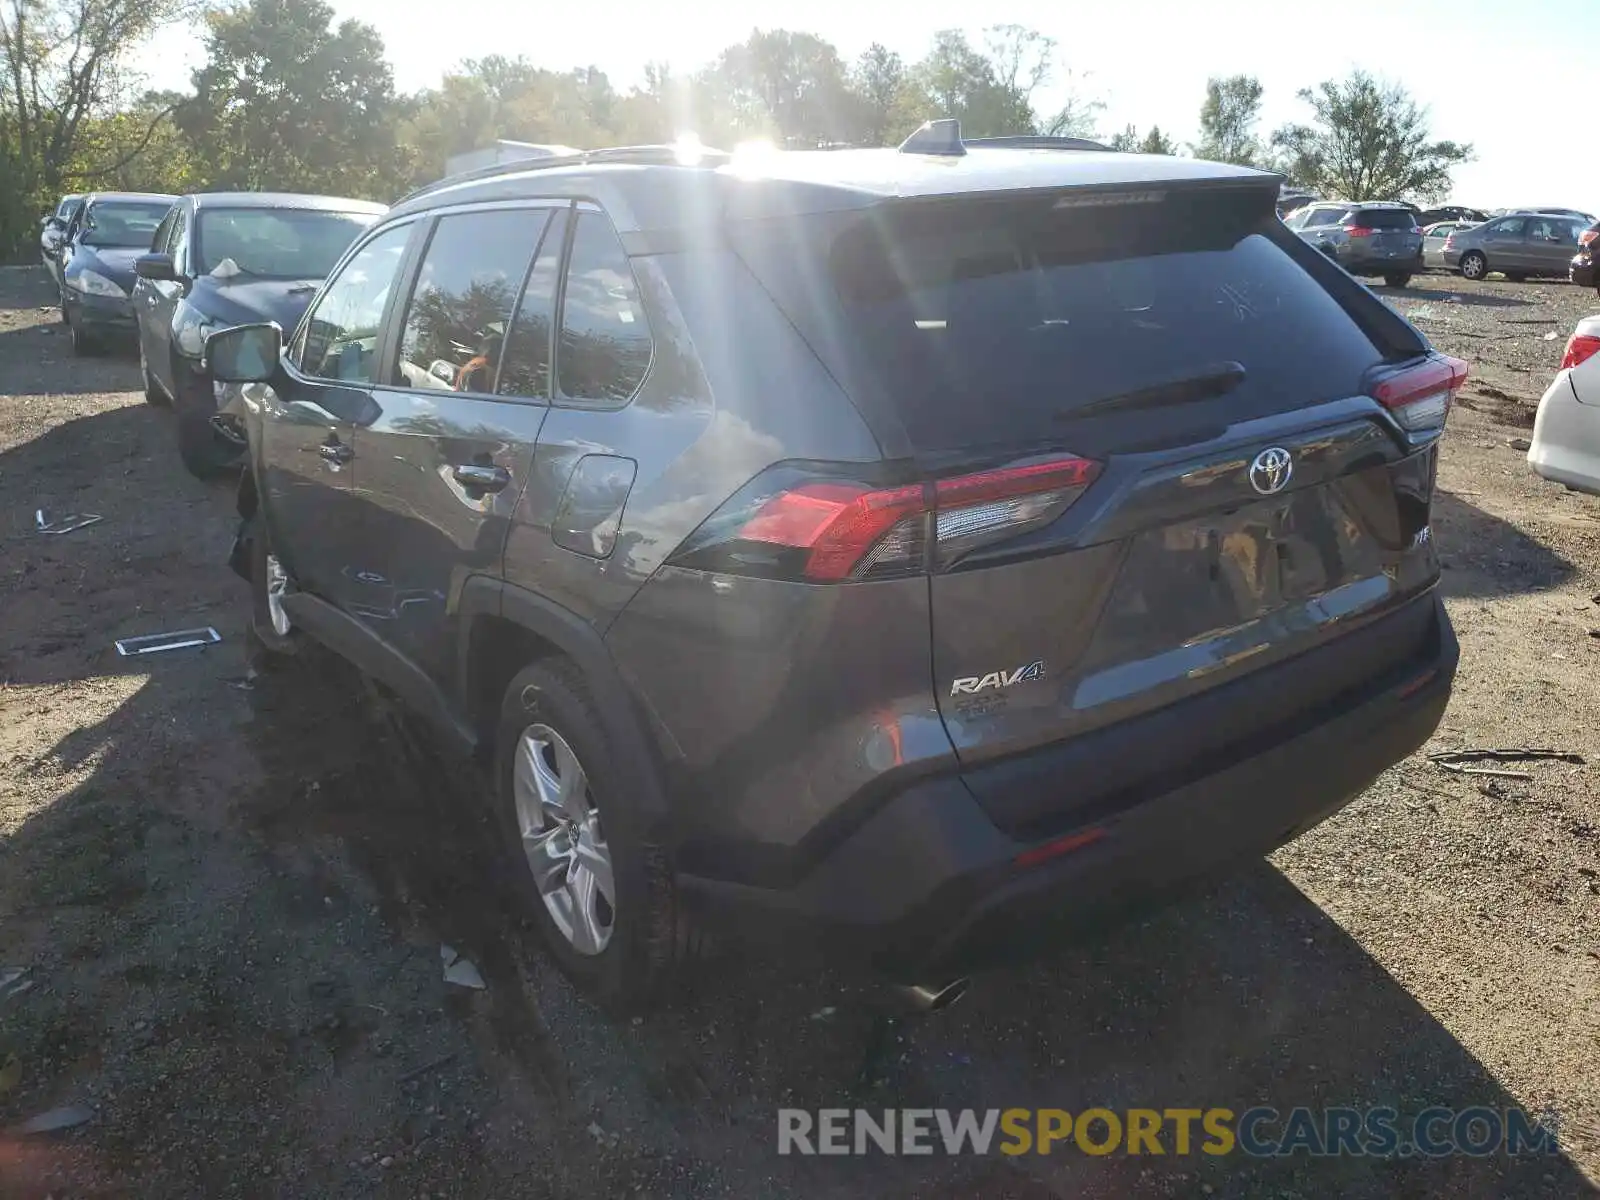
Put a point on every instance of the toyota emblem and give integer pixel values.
(1270, 472)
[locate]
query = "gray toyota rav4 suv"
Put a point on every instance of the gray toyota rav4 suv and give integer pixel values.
(919, 549)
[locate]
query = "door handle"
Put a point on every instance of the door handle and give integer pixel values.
(335, 452)
(481, 478)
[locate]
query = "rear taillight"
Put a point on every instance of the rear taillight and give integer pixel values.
(1359, 231)
(799, 524)
(1587, 236)
(1419, 394)
(1580, 348)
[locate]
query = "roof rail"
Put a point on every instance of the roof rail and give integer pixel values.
(663, 155)
(1031, 141)
(943, 137)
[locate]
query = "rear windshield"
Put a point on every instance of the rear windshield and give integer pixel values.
(986, 323)
(1383, 218)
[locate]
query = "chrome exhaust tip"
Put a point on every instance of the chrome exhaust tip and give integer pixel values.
(924, 997)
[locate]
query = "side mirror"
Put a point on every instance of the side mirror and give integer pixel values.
(242, 354)
(154, 266)
(51, 240)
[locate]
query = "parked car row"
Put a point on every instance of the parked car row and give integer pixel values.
(1394, 241)
(164, 271)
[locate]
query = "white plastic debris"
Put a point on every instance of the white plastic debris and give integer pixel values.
(1551, 336)
(65, 524)
(68, 1116)
(13, 982)
(226, 269)
(460, 971)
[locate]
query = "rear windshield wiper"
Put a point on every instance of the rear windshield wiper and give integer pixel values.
(1218, 379)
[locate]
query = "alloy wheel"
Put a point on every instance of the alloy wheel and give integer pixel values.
(562, 839)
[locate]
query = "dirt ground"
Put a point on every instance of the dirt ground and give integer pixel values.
(228, 895)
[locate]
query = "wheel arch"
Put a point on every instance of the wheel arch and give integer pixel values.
(503, 628)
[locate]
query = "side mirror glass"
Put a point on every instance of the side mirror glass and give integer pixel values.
(154, 266)
(243, 354)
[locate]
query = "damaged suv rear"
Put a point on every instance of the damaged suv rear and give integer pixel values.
(975, 540)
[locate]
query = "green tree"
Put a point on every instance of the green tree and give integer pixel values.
(1156, 142)
(1126, 141)
(61, 72)
(784, 85)
(286, 101)
(878, 83)
(1368, 140)
(1228, 121)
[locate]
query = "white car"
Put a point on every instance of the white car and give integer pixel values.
(1566, 433)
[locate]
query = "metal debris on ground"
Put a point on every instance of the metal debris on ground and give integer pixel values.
(1457, 760)
(64, 524)
(460, 971)
(419, 1072)
(155, 643)
(1519, 443)
(68, 1116)
(14, 981)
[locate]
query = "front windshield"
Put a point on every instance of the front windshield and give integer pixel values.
(275, 243)
(125, 224)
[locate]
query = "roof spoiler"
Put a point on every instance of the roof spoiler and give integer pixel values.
(943, 138)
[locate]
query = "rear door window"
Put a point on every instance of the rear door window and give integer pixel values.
(464, 296)
(1325, 216)
(985, 323)
(1510, 227)
(605, 342)
(525, 368)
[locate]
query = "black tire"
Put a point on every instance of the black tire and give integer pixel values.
(267, 647)
(648, 936)
(1396, 281)
(152, 390)
(84, 345)
(1473, 265)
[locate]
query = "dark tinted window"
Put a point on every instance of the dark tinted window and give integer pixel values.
(461, 305)
(1383, 218)
(525, 369)
(605, 343)
(993, 323)
(274, 243)
(125, 224)
(178, 237)
(1325, 216)
(340, 338)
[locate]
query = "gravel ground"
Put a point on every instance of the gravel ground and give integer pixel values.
(229, 894)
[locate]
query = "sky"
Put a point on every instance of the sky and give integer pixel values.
(1507, 78)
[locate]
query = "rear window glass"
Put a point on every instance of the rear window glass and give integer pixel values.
(1384, 218)
(984, 324)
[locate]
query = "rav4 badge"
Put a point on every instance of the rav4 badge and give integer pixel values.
(973, 684)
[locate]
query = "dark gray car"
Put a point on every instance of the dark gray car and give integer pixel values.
(1370, 238)
(1518, 245)
(915, 551)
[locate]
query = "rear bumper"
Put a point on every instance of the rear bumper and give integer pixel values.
(930, 886)
(1379, 264)
(1565, 447)
(1584, 274)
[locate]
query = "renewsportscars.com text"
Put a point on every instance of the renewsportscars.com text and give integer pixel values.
(1258, 1132)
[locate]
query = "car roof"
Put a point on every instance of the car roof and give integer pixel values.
(641, 196)
(103, 197)
(284, 200)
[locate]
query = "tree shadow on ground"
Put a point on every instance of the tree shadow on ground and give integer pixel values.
(1467, 299)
